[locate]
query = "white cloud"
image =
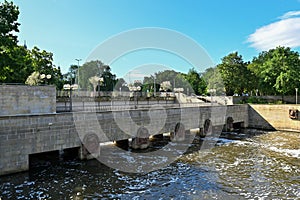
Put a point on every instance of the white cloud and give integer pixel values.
(285, 32)
(290, 14)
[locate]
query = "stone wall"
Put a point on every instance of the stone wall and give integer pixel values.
(267, 99)
(272, 117)
(22, 99)
(22, 135)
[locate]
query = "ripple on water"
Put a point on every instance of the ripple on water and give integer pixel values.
(257, 168)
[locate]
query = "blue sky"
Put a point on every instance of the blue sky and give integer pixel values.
(72, 29)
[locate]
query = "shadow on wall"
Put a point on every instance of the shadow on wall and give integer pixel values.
(257, 121)
(274, 117)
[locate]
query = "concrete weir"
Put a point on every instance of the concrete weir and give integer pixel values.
(24, 135)
(29, 124)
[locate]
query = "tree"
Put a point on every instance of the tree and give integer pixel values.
(109, 79)
(17, 62)
(197, 82)
(70, 76)
(148, 84)
(235, 74)
(121, 84)
(213, 80)
(278, 71)
(16, 65)
(9, 14)
(96, 68)
(42, 62)
(86, 71)
(170, 77)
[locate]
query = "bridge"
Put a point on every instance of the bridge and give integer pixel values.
(27, 134)
(29, 123)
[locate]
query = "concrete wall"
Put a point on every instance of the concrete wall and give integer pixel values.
(22, 99)
(273, 117)
(28, 134)
(23, 135)
(269, 99)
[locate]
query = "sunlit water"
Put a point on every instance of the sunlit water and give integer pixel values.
(262, 167)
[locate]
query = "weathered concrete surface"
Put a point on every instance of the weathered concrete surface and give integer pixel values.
(23, 99)
(29, 134)
(23, 135)
(273, 117)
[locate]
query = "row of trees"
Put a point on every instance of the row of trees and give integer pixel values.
(95, 75)
(17, 62)
(192, 82)
(273, 72)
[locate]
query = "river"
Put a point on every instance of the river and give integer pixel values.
(266, 166)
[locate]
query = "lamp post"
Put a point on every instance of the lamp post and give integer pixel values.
(134, 89)
(211, 95)
(70, 87)
(154, 93)
(100, 80)
(78, 60)
(296, 95)
(138, 88)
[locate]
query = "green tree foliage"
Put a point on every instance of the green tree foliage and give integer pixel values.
(235, 74)
(87, 70)
(121, 83)
(176, 79)
(277, 70)
(96, 68)
(109, 79)
(9, 49)
(42, 63)
(9, 14)
(197, 82)
(17, 62)
(70, 76)
(16, 65)
(213, 80)
(148, 84)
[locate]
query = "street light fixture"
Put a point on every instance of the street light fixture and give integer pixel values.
(78, 60)
(70, 87)
(154, 93)
(45, 77)
(212, 91)
(135, 89)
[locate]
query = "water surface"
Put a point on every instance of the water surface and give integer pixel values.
(266, 166)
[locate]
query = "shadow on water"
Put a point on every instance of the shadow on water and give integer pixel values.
(246, 168)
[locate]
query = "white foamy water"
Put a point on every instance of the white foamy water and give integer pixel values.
(287, 152)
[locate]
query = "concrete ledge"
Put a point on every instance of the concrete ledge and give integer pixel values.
(273, 117)
(23, 99)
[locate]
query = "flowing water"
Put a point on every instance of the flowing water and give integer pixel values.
(265, 166)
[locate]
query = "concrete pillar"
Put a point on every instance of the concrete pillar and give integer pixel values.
(90, 147)
(207, 128)
(179, 133)
(141, 141)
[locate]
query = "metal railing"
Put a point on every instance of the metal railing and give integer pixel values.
(92, 104)
(102, 106)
